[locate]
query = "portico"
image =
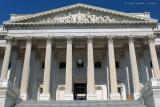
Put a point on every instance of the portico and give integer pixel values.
(87, 45)
(109, 55)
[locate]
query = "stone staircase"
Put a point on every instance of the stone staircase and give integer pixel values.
(79, 104)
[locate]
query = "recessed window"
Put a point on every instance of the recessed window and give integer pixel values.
(62, 65)
(42, 65)
(80, 63)
(97, 64)
(117, 64)
(9, 66)
(151, 64)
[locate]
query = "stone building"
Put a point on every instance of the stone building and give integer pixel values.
(80, 52)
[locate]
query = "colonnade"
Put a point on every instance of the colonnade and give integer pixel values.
(90, 66)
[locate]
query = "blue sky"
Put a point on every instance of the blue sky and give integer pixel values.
(8, 7)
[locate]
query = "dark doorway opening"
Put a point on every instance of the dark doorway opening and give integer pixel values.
(80, 91)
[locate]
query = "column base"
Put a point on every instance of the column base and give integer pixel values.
(44, 96)
(23, 96)
(68, 96)
(91, 96)
(136, 95)
(115, 96)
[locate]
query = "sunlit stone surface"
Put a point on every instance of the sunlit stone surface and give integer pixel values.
(80, 52)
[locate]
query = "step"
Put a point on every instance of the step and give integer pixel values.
(80, 104)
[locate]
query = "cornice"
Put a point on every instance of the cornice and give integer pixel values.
(84, 23)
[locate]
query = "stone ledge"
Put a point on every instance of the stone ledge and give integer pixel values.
(44, 96)
(91, 96)
(115, 96)
(68, 96)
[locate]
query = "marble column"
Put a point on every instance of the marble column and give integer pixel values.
(114, 95)
(69, 66)
(26, 71)
(47, 71)
(90, 70)
(90, 67)
(154, 59)
(6, 60)
(68, 79)
(134, 68)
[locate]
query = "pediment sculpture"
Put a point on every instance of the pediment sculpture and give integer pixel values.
(77, 18)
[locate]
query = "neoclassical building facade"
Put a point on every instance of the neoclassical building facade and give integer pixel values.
(80, 52)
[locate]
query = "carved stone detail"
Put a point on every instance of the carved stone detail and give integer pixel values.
(28, 39)
(9, 40)
(151, 38)
(131, 38)
(90, 39)
(79, 17)
(109, 39)
(69, 39)
(49, 39)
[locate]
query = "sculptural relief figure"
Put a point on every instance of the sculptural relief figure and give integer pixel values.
(112, 19)
(55, 20)
(68, 18)
(80, 17)
(48, 20)
(100, 19)
(106, 19)
(90, 18)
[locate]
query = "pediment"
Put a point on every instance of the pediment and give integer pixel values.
(79, 13)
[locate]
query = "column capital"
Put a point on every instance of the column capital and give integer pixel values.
(9, 40)
(109, 38)
(151, 38)
(29, 39)
(131, 38)
(90, 38)
(69, 39)
(49, 39)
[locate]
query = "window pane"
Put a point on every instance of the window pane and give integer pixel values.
(80, 63)
(117, 64)
(62, 65)
(97, 64)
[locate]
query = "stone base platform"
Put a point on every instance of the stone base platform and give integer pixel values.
(80, 104)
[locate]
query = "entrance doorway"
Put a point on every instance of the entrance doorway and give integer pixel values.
(80, 91)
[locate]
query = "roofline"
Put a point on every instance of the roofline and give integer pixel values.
(73, 6)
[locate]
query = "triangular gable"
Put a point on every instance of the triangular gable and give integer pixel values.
(79, 13)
